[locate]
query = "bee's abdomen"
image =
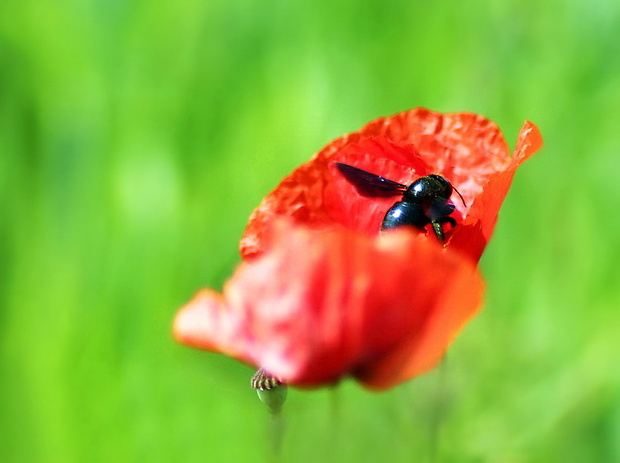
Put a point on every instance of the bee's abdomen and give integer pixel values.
(404, 213)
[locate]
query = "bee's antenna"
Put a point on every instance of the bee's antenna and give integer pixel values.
(460, 195)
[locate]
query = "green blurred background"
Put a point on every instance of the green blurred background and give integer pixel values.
(136, 137)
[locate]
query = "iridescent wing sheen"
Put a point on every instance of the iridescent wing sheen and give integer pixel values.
(368, 184)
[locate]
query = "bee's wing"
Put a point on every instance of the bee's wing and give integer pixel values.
(368, 184)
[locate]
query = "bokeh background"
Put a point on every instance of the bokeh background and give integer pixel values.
(136, 137)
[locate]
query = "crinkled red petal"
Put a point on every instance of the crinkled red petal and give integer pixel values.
(473, 234)
(467, 149)
(317, 306)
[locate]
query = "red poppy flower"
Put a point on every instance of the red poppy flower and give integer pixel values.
(322, 295)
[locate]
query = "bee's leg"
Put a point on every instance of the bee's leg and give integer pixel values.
(447, 219)
(438, 229)
(438, 226)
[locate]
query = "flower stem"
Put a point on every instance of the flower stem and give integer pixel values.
(439, 412)
(276, 435)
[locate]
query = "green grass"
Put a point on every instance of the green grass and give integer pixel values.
(135, 139)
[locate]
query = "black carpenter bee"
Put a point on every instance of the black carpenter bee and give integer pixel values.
(424, 201)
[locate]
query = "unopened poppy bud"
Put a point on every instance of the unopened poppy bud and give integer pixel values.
(271, 391)
(274, 398)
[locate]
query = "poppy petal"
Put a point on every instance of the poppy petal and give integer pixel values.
(466, 148)
(315, 307)
(473, 234)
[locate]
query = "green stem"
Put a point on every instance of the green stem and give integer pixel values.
(438, 415)
(276, 435)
